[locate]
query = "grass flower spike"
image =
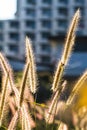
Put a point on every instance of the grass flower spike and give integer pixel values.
(3, 98)
(32, 69)
(7, 68)
(23, 84)
(67, 51)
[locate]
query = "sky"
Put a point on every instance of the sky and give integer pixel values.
(7, 9)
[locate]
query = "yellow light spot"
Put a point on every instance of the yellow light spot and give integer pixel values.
(82, 98)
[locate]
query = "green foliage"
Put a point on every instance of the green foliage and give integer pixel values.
(3, 128)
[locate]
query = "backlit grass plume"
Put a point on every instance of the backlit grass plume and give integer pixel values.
(3, 98)
(14, 121)
(52, 109)
(67, 51)
(6, 68)
(53, 106)
(23, 85)
(26, 119)
(32, 69)
(4, 64)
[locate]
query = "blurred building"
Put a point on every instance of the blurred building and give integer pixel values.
(38, 19)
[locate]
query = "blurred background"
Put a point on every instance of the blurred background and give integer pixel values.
(46, 22)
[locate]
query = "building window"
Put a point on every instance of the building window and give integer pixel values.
(33, 2)
(45, 35)
(1, 48)
(1, 25)
(61, 32)
(45, 47)
(46, 12)
(47, 1)
(63, 11)
(14, 36)
(45, 59)
(62, 23)
(79, 1)
(63, 1)
(14, 24)
(30, 12)
(46, 23)
(13, 48)
(32, 36)
(80, 47)
(1, 37)
(30, 24)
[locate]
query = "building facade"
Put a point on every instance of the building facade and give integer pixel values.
(38, 19)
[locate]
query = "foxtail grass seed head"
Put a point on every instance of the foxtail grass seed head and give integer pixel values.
(14, 121)
(22, 119)
(70, 40)
(52, 108)
(64, 95)
(26, 118)
(3, 98)
(4, 64)
(57, 77)
(32, 69)
(67, 51)
(28, 49)
(7, 68)
(23, 85)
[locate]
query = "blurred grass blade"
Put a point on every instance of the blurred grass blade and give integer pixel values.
(77, 87)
